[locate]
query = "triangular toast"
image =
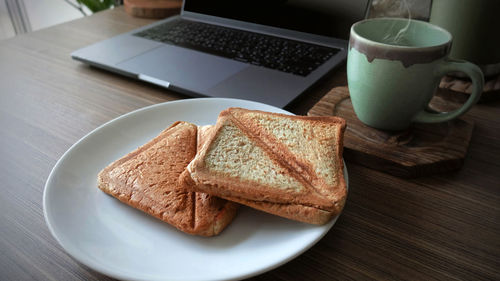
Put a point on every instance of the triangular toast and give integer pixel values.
(286, 165)
(147, 179)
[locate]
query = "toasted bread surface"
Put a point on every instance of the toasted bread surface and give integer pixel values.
(296, 212)
(287, 165)
(147, 179)
(312, 145)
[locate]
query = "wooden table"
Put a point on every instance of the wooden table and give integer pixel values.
(438, 227)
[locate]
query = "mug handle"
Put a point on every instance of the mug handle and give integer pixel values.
(452, 65)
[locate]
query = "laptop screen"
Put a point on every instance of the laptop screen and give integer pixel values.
(332, 18)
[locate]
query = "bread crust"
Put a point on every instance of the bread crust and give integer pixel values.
(316, 204)
(147, 179)
(297, 212)
(300, 165)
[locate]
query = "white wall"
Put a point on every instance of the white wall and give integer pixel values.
(40, 13)
(45, 13)
(6, 28)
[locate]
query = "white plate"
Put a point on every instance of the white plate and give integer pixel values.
(124, 243)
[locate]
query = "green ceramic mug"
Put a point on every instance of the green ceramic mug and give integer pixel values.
(394, 67)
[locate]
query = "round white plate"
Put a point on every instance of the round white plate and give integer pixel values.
(122, 242)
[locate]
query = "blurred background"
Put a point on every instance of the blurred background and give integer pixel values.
(21, 16)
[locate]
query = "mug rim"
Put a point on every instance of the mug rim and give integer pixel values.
(365, 40)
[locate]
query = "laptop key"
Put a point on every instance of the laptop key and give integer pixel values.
(285, 55)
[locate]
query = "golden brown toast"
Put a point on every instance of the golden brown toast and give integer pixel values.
(147, 179)
(286, 165)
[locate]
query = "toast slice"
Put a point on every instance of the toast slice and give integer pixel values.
(147, 179)
(286, 165)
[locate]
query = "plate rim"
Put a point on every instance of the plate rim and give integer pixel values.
(103, 269)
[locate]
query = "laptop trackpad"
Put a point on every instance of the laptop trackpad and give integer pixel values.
(183, 68)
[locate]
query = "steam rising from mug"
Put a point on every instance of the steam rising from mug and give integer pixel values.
(392, 36)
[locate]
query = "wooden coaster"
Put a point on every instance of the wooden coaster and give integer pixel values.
(421, 150)
(156, 9)
(462, 88)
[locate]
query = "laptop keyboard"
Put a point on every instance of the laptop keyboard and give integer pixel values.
(285, 55)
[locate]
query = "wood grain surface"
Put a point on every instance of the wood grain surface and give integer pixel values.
(421, 150)
(444, 227)
(462, 88)
(153, 9)
(491, 85)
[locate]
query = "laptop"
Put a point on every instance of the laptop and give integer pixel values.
(269, 51)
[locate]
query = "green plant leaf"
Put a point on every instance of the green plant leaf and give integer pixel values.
(97, 5)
